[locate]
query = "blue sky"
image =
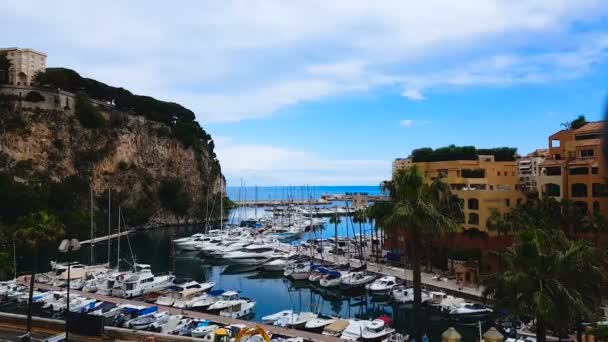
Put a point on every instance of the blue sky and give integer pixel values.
(317, 92)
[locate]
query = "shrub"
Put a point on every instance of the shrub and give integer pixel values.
(453, 152)
(34, 96)
(88, 115)
(173, 197)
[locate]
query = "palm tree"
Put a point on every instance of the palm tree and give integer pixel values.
(360, 218)
(37, 229)
(377, 213)
(335, 220)
(549, 276)
(598, 224)
(498, 223)
(424, 211)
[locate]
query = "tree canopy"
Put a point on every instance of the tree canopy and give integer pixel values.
(453, 152)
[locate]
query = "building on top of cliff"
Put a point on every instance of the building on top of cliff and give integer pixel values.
(24, 64)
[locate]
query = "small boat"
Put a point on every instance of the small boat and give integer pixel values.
(382, 286)
(403, 295)
(319, 323)
(276, 265)
(296, 321)
(239, 310)
(298, 272)
(332, 279)
(269, 319)
(146, 321)
(356, 280)
(201, 302)
(336, 328)
(203, 328)
(471, 311)
(164, 327)
(376, 330)
(354, 331)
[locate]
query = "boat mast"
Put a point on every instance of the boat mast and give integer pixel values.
(118, 249)
(221, 211)
(91, 215)
(109, 222)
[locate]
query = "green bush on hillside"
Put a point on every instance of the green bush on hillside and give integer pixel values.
(34, 96)
(173, 196)
(88, 115)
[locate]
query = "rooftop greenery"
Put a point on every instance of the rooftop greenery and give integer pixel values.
(454, 152)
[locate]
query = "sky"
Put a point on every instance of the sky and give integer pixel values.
(330, 92)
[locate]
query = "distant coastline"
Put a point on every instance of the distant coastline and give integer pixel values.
(237, 193)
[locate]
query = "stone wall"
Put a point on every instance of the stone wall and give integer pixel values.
(53, 99)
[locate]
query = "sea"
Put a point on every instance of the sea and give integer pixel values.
(271, 291)
(295, 192)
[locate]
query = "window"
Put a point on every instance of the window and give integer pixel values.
(579, 190)
(498, 174)
(512, 173)
(553, 171)
(588, 136)
(594, 170)
(599, 190)
(552, 189)
(555, 143)
(473, 204)
(596, 206)
(579, 171)
(519, 201)
(473, 218)
(473, 173)
(508, 202)
(586, 154)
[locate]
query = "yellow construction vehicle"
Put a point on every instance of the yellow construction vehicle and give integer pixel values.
(221, 335)
(247, 332)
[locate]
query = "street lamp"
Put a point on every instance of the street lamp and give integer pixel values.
(66, 246)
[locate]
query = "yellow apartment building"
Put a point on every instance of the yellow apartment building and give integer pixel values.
(483, 185)
(576, 168)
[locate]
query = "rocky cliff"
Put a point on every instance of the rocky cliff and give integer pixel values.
(156, 172)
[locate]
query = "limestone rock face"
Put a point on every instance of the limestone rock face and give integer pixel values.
(131, 157)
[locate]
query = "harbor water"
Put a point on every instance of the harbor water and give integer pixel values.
(272, 292)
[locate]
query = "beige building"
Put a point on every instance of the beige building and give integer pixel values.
(483, 185)
(25, 63)
(529, 170)
(401, 164)
(576, 168)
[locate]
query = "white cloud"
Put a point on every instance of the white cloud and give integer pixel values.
(406, 123)
(234, 60)
(413, 94)
(271, 165)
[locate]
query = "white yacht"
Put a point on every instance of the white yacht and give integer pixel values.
(332, 279)
(376, 330)
(298, 272)
(183, 293)
(269, 319)
(319, 323)
(146, 321)
(276, 265)
(238, 309)
(470, 311)
(295, 320)
(203, 329)
(244, 257)
(382, 286)
(356, 280)
(354, 330)
(225, 300)
(142, 282)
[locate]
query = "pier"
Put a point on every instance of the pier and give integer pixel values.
(106, 238)
(448, 286)
(202, 316)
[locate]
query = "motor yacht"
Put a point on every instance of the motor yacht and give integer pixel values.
(354, 331)
(332, 279)
(382, 286)
(239, 309)
(376, 330)
(319, 323)
(356, 280)
(142, 282)
(295, 320)
(276, 316)
(145, 321)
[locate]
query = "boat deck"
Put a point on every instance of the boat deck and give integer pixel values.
(200, 315)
